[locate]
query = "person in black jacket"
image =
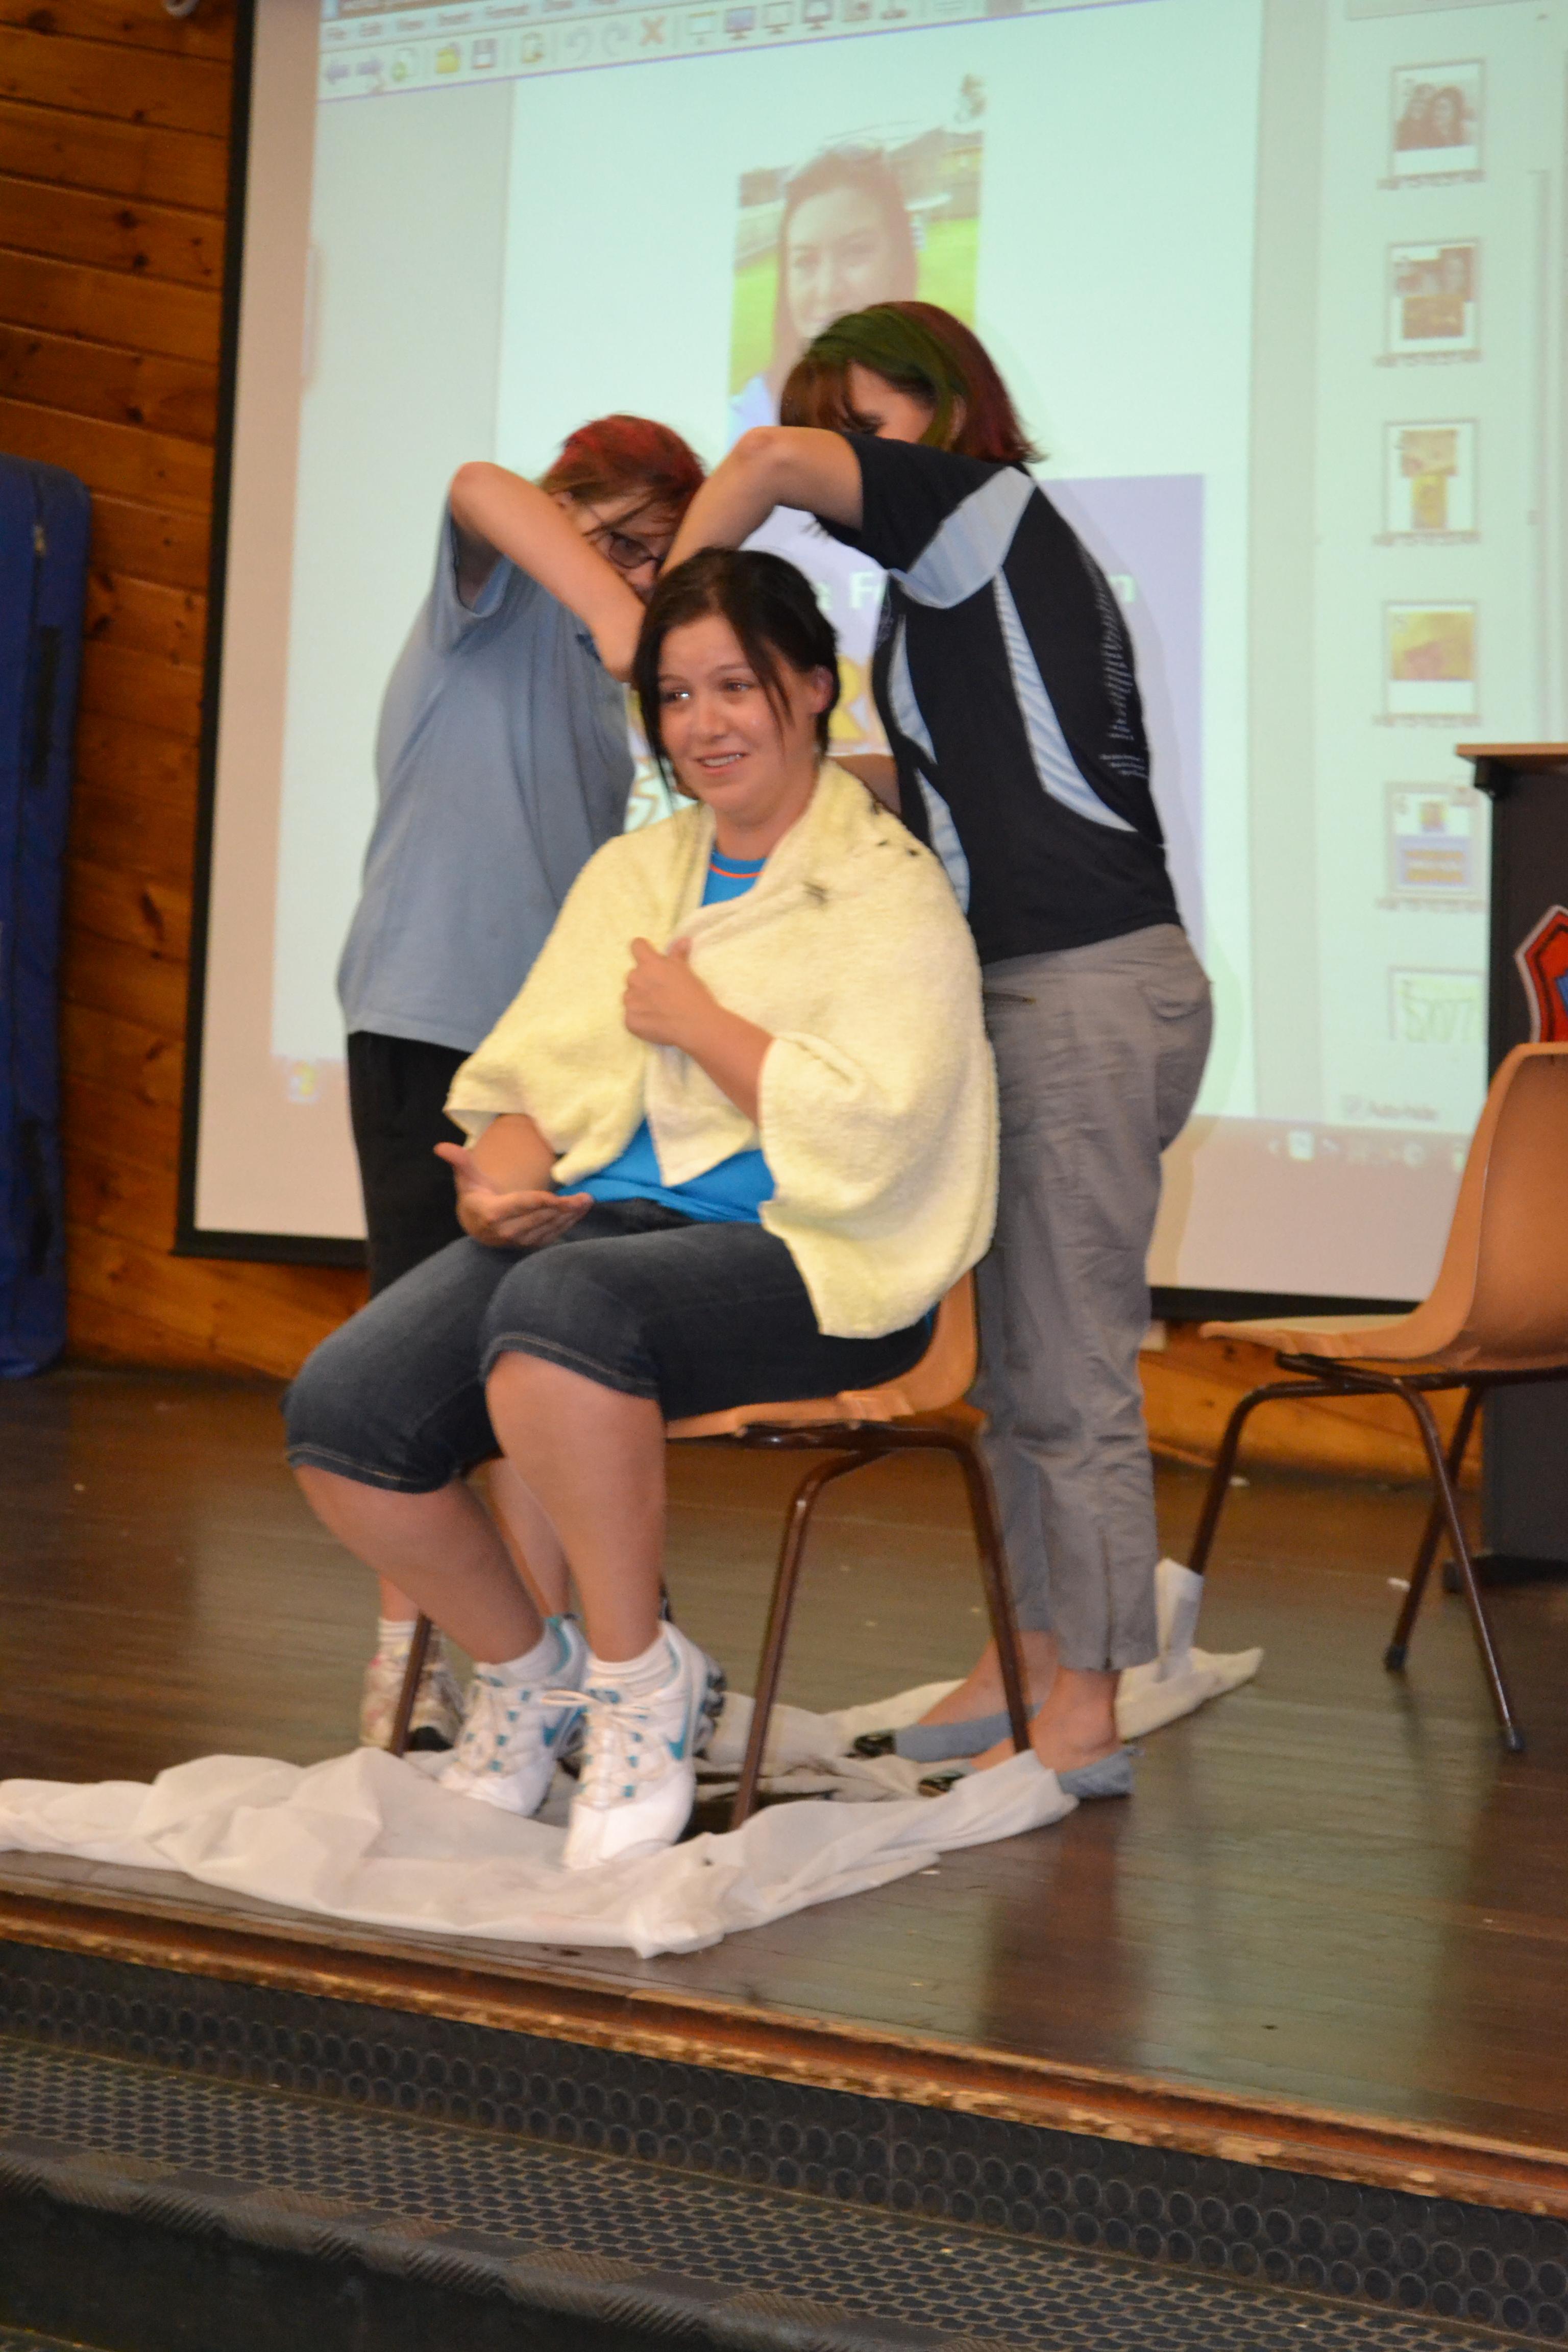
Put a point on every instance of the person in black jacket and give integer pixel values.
(1004, 679)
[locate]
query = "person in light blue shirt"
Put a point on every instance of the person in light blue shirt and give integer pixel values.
(502, 764)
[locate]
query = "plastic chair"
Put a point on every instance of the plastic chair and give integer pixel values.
(854, 1428)
(1497, 1313)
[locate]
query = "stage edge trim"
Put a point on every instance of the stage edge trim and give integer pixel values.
(1423, 2160)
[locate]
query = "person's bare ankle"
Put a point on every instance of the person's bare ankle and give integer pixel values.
(1076, 1725)
(981, 1693)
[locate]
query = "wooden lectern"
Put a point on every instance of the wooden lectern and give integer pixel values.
(1524, 1482)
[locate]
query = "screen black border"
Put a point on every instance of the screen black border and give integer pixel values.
(190, 1239)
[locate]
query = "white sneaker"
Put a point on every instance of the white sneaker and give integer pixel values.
(437, 1702)
(639, 1777)
(513, 1733)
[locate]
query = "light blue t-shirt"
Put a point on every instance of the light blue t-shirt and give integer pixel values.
(730, 1194)
(502, 765)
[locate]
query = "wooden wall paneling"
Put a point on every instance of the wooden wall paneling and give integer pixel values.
(123, 977)
(142, 617)
(220, 1307)
(113, 165)
(126, 1057)
(124, 159)
(164, 90)
(134, 833)
(80, 224)
(142, 544)
(111, 305)
(113, 1193)
(127, 682)
(208, 33)
(137, 1134)
(174, 396)
(108, 903)
(104, 1330)
(157, 468)
(156, 770)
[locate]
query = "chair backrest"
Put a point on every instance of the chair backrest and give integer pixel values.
(943, 1374)
(1502, 1288)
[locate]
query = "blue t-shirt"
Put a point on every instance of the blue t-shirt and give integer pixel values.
(502, 765)
(732, 1193)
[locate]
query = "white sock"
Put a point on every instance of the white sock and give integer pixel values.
(545, 1656)
(633, 1677)
(393, 1635)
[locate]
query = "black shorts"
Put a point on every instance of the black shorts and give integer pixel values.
(397, 1096)
(634, 1297)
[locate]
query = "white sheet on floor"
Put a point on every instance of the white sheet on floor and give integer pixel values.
(367, 1838)
(370, 1838)
(813, 1754)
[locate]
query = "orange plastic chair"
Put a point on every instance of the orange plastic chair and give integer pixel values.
(857, 1426)
(1497, 1314)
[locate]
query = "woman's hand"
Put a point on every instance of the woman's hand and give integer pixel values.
(666, 1004)
(521, 1220)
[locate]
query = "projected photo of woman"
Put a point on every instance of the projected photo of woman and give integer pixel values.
(874, 216)
(845, 240)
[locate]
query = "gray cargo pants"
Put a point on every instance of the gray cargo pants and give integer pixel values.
(1098, 1053)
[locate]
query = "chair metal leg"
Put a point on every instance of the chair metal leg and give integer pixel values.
(418, 1647)
(994, 1577)
(1512, 1737)
(1225, 1460)
(792, 1552)
(1394, 1655)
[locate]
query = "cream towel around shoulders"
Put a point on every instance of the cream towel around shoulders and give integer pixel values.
(877, 1099)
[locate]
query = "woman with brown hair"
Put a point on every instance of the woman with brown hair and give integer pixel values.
(713, 1161)
(1004, 679)
(845, 240)
(502, 763)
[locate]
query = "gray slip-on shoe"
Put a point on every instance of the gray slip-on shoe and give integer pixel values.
(1108, 1776)
(937, 1743)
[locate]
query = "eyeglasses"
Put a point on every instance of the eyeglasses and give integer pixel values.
(616, 547)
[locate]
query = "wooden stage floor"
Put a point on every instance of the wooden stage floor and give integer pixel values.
(1332, 1895)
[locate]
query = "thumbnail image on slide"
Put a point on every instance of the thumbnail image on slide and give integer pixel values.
(1429, 479)
(1432, 304)
(1431, 670)
(1434, 843)
(1437, 121)
(886, 215)
(1436, 1008)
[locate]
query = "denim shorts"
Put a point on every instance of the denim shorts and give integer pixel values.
(697, 1317)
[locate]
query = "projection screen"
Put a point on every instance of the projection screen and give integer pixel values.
(1272, 281)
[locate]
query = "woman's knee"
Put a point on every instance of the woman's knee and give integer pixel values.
(566, 1306)
(347, 1412)
(320, 1405)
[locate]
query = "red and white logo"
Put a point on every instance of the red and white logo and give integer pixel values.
(1543, 960)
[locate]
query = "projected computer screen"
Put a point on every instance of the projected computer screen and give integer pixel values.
(1271, 282)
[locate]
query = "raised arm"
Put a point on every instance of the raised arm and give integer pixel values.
(498, 513)
(772, 466)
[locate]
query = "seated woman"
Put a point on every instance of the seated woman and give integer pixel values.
(744, 1169)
